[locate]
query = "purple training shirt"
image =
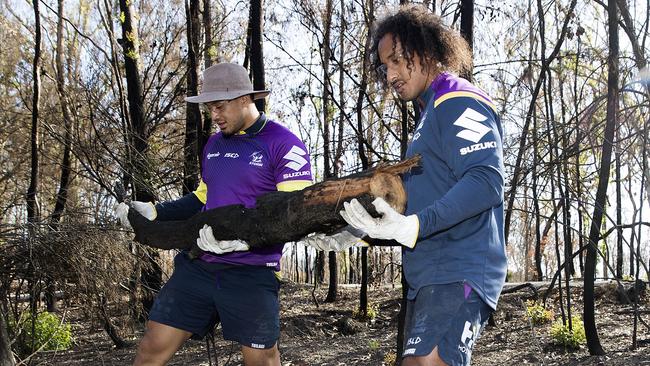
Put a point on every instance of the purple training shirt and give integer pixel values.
(239, 168)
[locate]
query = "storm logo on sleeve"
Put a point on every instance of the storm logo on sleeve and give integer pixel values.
(296, 158)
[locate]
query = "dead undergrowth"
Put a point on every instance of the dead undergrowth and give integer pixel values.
(328, 334)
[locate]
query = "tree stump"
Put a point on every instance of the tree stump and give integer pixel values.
(281, 217)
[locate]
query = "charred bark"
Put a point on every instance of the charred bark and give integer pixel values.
(6, 355)
(467, 30)
(256, 19)
(280, 217)
(32, 192)
(193, 117)
(589, 306)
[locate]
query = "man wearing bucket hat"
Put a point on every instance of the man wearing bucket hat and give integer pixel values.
(250, 155)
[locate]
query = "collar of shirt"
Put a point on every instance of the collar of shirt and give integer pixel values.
(427, 96)
(256, 127)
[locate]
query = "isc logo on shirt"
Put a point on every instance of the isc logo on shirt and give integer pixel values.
(231, 155)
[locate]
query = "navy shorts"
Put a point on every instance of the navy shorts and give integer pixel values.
(449, 316)
(200, 294)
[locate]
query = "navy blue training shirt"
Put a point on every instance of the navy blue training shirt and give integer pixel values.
(457, 193)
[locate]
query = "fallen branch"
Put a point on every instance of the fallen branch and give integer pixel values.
(281, 217)
(623, 312)
(527, 285)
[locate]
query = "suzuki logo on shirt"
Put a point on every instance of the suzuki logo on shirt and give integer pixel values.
(477, 147)
(474, 130)
(213, 155)
(296, 159)
(231, 155)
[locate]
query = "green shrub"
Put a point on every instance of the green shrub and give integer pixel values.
(390, 358)
(537, 313)
(49, 334)
(373, 345)
(371, 313)
(561, 334)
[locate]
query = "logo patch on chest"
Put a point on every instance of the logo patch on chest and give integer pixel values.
(256, 158)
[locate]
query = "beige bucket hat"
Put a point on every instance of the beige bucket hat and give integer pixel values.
(225, 81)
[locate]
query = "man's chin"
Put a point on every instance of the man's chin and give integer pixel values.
(405, 96)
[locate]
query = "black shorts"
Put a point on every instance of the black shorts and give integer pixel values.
(449, 316)
(243, 298)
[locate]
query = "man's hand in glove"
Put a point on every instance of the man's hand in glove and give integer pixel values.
(207, 242)
(146, 209)
(346, 238)
(392, 224)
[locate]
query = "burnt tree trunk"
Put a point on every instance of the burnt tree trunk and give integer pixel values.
(256, 27)
(280, 217)
(467, 29)
(66, 164)
(591, 331)
(32, 192)
(193, 118)
(6, 356)
(138, 165)
(369, 15)
(519, 173)
(208, 55)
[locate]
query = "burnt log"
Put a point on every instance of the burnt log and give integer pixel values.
(280, 217)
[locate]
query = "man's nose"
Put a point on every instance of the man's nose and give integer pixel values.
(391, 75)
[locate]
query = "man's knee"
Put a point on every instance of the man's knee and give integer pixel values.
(159, 344)
(432, 359)
(150, 345)
(261, 357)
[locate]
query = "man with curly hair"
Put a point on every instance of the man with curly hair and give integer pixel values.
(452, 231)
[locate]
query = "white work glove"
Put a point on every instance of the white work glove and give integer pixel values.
(207, 242)
(346, 238)
(393, 225)
(146, 209)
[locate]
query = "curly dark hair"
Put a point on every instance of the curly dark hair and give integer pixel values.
(423, 33)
